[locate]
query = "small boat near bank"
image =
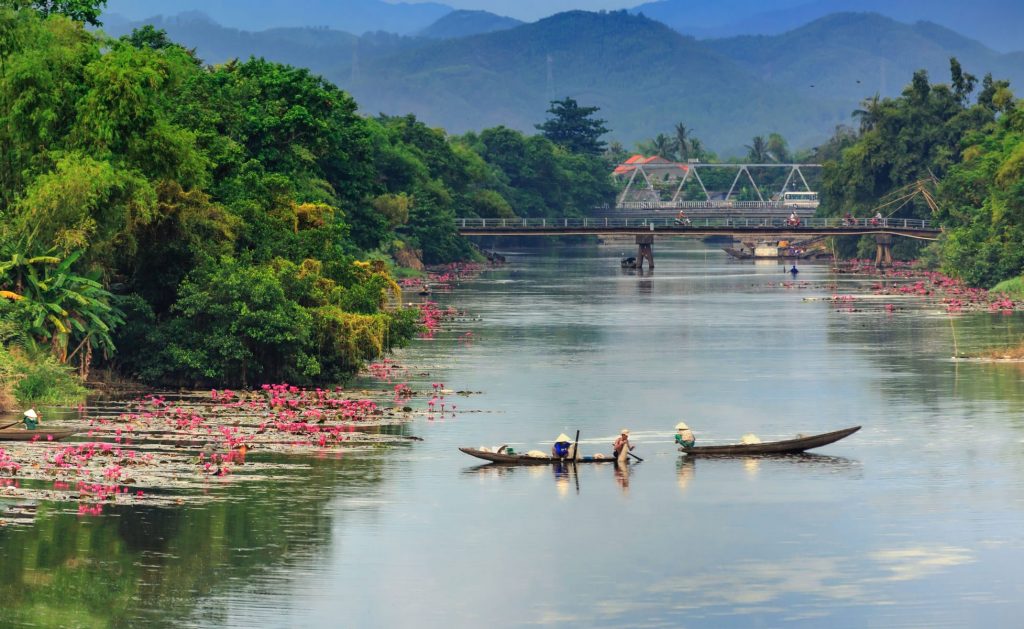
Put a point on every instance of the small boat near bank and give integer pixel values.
(20, 434)
(788, 446)
(523, 459)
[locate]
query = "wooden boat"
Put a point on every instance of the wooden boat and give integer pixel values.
(522, 459)
(40, 434)
(789, 446)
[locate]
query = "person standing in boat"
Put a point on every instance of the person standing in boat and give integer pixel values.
(563, 447)
(684, 436)
(622, 442)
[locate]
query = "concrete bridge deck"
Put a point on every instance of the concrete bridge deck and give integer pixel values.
(738, 227)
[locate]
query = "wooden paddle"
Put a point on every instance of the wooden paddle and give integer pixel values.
(10, 424)
(576, 455)
(636, 457)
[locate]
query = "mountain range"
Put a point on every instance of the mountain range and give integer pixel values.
(352, 16)
(998, 23)
(643, 75)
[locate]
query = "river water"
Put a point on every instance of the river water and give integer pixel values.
(915, 521)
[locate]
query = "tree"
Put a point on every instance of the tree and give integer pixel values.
(757, 151)
(69, 312)
(682, 139)
(87, 11)
(870, 114)
(574, 127)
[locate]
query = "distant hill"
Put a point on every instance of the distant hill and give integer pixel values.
(466, 23)
(352, 16)
(644, 76)
(997, 23)
(332, 53)
(853, 55)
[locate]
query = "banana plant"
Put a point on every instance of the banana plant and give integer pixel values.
(71, 313)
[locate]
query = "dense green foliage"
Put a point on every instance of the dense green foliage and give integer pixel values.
(983, 205)
(209, 222)
(908, 143)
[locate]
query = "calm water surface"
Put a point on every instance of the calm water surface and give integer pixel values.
(916, 521)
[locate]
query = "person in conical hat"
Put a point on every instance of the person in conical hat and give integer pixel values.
(562, 447)
(684, 436)
(30, 418)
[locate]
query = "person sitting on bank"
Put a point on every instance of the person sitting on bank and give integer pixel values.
(30, 419)
(622, 442)
(684, 436)
(563, 447)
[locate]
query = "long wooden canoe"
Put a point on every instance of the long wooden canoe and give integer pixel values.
(789, 446)
(39, 434)
(522, 459)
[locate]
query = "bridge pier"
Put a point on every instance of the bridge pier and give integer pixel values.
(645, 249)
(883, 251)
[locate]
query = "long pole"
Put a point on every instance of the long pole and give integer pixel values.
(575, 455)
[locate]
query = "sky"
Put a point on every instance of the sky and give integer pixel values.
(530, 10)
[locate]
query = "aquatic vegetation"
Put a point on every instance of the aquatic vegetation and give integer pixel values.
(160, 448)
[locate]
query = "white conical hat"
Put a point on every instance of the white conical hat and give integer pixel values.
(31, 413)
(682, 426)
(563, 437)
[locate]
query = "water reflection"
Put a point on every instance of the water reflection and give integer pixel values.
(685, 466)
(149, 565)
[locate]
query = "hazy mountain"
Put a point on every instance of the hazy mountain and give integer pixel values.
(644, 76)
(333, 53)
(997, 23)
(854, 55)
(465, 23)
(353, 16)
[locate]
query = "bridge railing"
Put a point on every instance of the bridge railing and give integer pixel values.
(526, 224)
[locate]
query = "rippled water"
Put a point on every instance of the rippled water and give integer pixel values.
(914, 521)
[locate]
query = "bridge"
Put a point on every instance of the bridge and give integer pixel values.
(645, 229)
(657, 183)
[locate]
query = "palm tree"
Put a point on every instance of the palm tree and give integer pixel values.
(661, 145)
(757, 151)
(683, 141)
(870, 115)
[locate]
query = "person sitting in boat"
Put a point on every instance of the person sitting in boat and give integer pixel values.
(562, 448)
(793, 271)
(30, 419)
(622, 442)
(684, 436)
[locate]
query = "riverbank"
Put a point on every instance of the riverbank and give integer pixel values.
(168, 447)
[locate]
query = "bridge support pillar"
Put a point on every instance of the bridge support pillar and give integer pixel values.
(645, 250)
(883, 251)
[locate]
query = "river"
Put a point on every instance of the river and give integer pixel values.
(917, 520)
